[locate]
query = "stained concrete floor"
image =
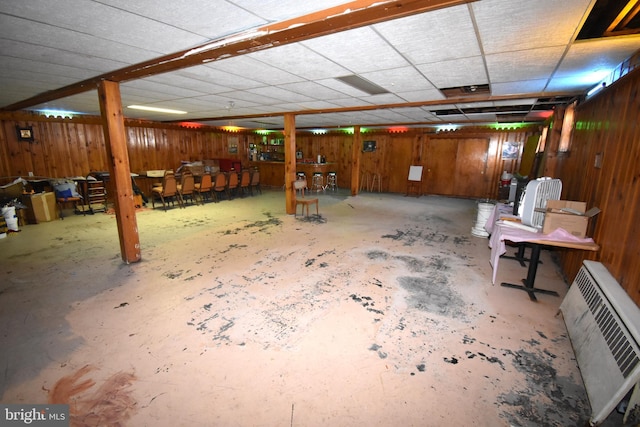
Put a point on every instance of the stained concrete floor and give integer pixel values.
(380, 312)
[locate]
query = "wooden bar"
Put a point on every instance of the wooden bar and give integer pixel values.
(272, 173)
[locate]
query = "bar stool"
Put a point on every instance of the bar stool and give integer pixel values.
(301, 176)
(332, 181)
(364, 180)
(376, 180)
(317, 181)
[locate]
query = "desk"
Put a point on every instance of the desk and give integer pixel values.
(501, 232)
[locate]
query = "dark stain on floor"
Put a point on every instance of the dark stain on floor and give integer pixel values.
(261, 226)
(543, 383)
(316, 219)
(433, 294)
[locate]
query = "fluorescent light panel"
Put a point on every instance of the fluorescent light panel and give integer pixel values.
(156, 109)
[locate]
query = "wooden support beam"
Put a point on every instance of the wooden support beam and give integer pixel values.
(119, 170)
(356, 153)
(289, 162)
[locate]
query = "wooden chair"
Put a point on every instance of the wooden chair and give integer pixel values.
(255, 181)
(301, 185)
(232, 184)
(245, 181)
(187, 187)
(66, 192)
(61, 201)
(167, 191)
(220, 185)
(205, 186)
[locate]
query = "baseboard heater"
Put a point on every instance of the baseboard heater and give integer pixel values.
(603, 324)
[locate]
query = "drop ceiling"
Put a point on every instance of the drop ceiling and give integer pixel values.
(464, 62)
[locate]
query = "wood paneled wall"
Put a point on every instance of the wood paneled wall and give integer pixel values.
(607, 129)
(64, 148)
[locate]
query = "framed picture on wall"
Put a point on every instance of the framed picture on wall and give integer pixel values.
(510, 150)
(368, 146)
(25, 133)
(233, 144)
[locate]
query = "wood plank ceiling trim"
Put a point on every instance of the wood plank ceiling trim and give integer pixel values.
(333, 20)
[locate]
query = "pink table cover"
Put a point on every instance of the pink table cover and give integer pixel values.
(501, 232)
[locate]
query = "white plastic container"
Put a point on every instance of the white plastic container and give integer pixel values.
(484, 212)
(10, 217)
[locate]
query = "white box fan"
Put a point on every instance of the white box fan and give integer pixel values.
(533, 202)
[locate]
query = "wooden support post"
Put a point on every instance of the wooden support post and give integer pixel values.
(119, 172)
(356, 153)
(289, 162)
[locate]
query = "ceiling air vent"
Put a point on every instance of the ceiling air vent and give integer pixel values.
(465, 91)
(362, 84)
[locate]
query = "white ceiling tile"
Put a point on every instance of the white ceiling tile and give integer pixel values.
(279, 94)
(506, 25)
(340, 86)
(431, 37)
(571, 83)
(301, 61)
(205, 18)
(313, 90)
(222, 78)
(524, 64)
(280, 10)
(456, 72)
(160, 88)
(47, 55)
(589, 60)
(360, 50)
(86, 21)
(383, 98)
(422, 95)
(520, 87)
(402, 79)
(249, 68)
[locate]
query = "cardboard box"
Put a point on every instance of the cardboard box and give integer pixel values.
(571, 216)
(41, 207)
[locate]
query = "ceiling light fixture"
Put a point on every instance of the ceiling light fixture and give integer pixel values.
(156, 109)
(58, 113)
(596, 88)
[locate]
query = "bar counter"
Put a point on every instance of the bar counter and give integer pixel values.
(272, 173)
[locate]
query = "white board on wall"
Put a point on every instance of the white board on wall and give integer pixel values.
(415, 173)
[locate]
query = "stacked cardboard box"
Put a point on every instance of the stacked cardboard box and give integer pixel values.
(40, 207)
(571, 216)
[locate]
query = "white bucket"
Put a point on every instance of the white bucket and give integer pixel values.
(9, 214)
(484, 212)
